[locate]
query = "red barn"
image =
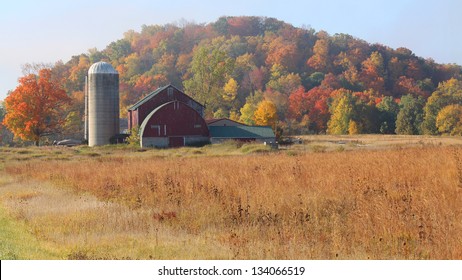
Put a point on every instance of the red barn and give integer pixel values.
(169, 118)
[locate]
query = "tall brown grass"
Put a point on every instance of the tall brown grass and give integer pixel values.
(383, 204)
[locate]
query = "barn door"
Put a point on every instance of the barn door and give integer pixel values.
(175, 142)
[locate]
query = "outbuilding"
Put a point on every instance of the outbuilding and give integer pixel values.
(244, 133)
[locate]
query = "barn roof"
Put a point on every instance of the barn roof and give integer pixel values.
(241, 132)
(147, 97)
(154, 93)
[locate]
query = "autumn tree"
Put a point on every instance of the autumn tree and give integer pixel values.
(285, 84)
(406, 85)
(78, 72)
(248, 110)
(280, 100)
(73, 125)
(35, 108)
(209, 69)
(449, 120)
(320, 59)
(366, 115)
(309, 110)
(283, 52)
(388, 112)
(230, 90)
(118, 50)
(373, 72)
(256, 78)
(313, 80)
(410, 116)
(342, 114)
(266, 114)
(447, 93)
(353, 128)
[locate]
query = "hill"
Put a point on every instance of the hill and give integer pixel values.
(319, 82)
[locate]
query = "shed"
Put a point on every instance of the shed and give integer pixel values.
(241, 133)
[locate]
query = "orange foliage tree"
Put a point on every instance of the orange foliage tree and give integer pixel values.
(373, 72)
(320, 59)
(35, 108)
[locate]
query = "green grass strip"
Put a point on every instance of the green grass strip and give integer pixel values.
(16, 243)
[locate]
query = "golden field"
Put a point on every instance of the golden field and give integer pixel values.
(365, 197)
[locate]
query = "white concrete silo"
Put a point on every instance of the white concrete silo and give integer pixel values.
(103, 103)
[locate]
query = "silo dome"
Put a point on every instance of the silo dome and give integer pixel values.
(102, 68)
(103, 103)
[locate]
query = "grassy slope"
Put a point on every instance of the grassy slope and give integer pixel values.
(17, 243)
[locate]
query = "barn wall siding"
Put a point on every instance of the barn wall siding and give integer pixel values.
(196, 140)
(175, 121)
(170, 142)
(154, 142)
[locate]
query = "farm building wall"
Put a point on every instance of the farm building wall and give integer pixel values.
(243, 133)
(217, 140)
(154, 142)
(173, 124)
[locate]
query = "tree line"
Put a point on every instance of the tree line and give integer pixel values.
(260, 70)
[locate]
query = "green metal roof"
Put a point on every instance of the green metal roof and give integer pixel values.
(241, 132)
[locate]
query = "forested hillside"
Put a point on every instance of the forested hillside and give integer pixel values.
(318, 82)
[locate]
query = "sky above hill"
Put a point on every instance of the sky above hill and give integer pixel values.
(50, 30)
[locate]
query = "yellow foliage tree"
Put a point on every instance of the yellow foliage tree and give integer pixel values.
(266, 114)
(353, 128)
(342, 111)
(234, 115)
(230, 90)
(247, 113)
(449, 120)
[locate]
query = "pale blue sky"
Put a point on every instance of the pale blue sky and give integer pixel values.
(52, 30)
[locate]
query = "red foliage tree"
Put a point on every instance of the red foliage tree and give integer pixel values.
(312, 104)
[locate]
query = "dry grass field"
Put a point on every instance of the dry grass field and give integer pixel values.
(364, 197)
